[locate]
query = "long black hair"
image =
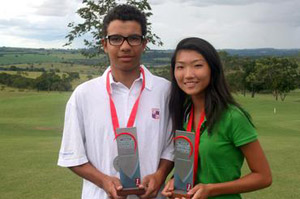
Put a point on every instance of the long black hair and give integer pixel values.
(217, 94)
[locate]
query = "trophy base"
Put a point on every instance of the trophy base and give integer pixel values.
(180, 194)
(131, 191)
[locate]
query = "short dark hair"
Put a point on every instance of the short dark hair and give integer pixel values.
(217, 94)
(125, 12)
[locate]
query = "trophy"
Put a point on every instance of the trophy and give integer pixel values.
(127, 162)
(184, 163)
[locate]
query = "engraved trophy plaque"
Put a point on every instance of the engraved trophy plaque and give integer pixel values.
(184, 163)
(127, 162)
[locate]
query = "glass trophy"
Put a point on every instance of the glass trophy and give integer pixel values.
(184, 163)
(127, 162)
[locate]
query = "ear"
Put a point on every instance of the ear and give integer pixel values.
(144, 44)
(104, 44)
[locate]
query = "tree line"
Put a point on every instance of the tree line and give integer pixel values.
(276, 75)
(47, 81)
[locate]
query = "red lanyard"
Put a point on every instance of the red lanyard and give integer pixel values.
(114, 116)
(197, 139)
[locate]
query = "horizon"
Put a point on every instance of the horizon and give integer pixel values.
(42, 48)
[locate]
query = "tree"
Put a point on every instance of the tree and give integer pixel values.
(235, 80)
(251, 79)
(13, 68)
(254, 83)
(52, 82)
(280, 75)
(17, 81)
(93, 12)
(73, 75)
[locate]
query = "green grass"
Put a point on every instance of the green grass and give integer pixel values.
(27, 74)
(279, 135)
(62, 67)
(27, 58)
(70, 56)
(30, 133)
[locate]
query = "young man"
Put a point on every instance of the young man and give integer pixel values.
(88, 145)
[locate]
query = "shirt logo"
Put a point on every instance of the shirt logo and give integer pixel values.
(155, 113)
(137, 181)
(188, 187)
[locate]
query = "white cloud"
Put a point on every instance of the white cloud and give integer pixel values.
(36, 22)
(15, 41)
(224, 23)
(58, 8)
(156, 2)
(244, 25)
(204, 3)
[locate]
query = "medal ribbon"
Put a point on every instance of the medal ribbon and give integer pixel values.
(114, 116)
(197, 139)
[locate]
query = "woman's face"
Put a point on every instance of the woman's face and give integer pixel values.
(192, 72)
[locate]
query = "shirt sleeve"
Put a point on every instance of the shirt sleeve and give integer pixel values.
(72, 151)
(242, 130)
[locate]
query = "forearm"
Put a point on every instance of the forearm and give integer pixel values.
(90, 173)
(164, 168)
(250, 182)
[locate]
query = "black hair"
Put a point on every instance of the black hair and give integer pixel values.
(125, 12)
(217, 94)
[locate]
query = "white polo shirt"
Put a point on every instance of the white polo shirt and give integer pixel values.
(88, 132)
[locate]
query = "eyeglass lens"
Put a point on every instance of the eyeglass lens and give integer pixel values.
(117, 40)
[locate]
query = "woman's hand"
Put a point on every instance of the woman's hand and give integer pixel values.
(168, 189)
(200, 191)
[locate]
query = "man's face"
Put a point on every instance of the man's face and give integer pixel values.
(124, 57)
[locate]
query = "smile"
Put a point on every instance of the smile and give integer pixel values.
(190, 84)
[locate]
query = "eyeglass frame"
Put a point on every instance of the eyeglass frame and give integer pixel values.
(107, 37)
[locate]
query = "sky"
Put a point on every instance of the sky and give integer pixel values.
(235, 24)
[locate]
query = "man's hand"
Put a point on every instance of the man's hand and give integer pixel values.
(111, 185)
(108, 183)
(151, 183)
(169, 188)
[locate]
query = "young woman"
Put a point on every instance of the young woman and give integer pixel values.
(226, 133)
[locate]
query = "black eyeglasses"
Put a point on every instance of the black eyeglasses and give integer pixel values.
(117, 40)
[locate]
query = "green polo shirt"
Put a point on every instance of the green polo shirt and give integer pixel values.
(220, 156)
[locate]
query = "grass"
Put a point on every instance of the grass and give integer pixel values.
(62, 67)
(27, 58)
(27, 74)
(30, 133)
(279, 135)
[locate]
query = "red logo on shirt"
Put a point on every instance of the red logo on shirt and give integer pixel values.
(155, 113)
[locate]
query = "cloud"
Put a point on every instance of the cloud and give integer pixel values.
(224, 23)
(242, 25)
(23, 28)
(56, 8)
(204, 3)
(15, 41)
(40, 22)
(156, 2)
(286, 13)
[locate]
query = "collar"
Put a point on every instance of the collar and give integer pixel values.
(148, 77)
(187, 113)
